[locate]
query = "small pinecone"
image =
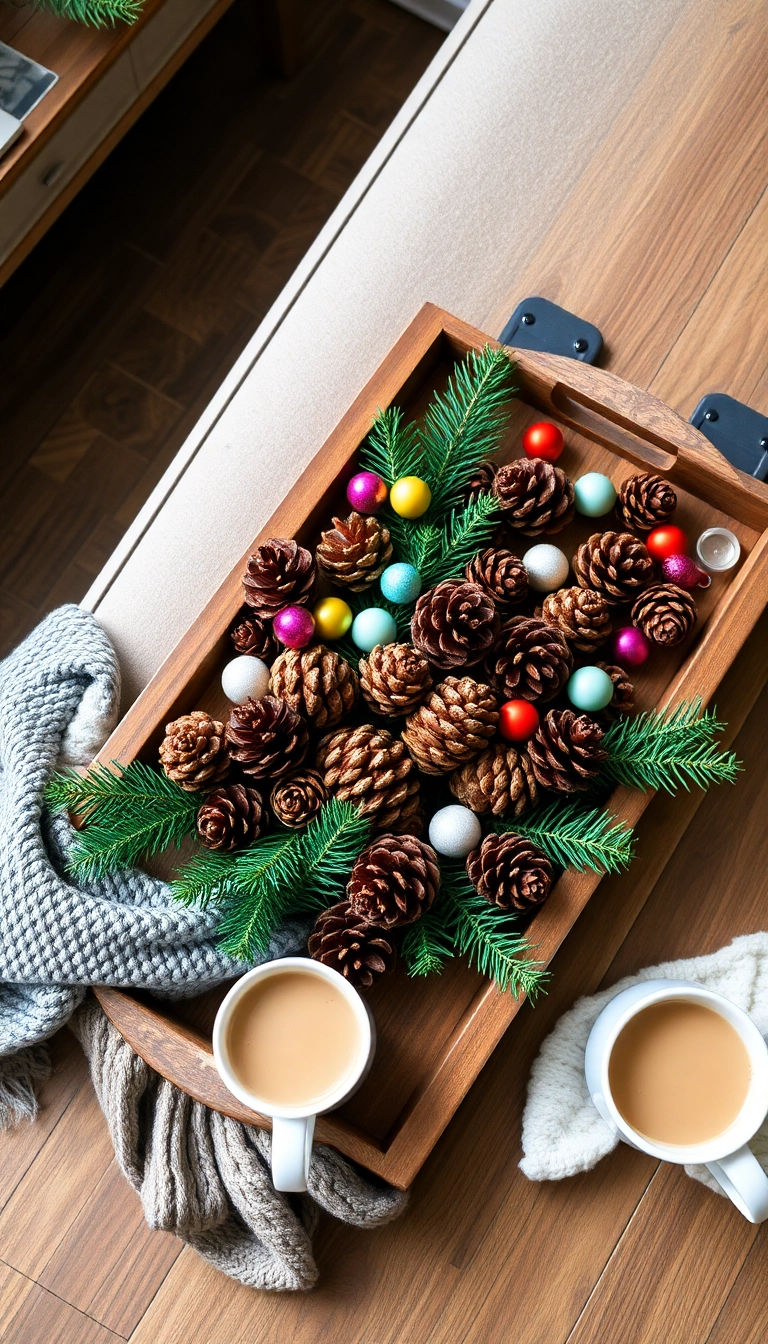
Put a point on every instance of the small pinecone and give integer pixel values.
(394, 678)
(297, 799)
(623, 701)
(315, 682)
(530, 660)
(501, 575)
(279, 573)
(267, 738)
(480, 482)
(645, 502)
(194, 752)
(454, 624)
(511, 872)
(251, 635)
(394, 881)
(368, 767)
(535, 495)
(581, 614)
(355, 551)
(231, 816)
(357, 950)
(500, 781)
(615, 564)
(665, 613)
(455, 723)
(566, 751)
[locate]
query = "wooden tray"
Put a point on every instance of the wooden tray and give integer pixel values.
(436, 1035)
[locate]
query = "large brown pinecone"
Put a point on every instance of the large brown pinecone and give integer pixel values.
(280, 573)
(394, 881)
(530, 660)
(297, 799)
(500, 780)
(615, 564)
(480, 482)
(194, 752)
(355, 551)
(665, 613)
(455, 723)
(511, 872)
(502, 576)
(623, 701)
(267, 738)
(316, 682)
(368, 767)
(251, 635)
(536, 496)
(454, 624)
(645, 501)
(394, 678)
(566, 751)
(581, 614)
(354, 948)
(230, 816)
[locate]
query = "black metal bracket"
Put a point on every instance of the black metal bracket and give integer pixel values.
(737, 431)
(538, 324)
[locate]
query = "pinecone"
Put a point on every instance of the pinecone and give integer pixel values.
(665, 613)
(368, 767)
(315, 682)
(623, 701)
(267, 738)
(454, 624)
(297, 799)
(615, 564)
(501, 575)
(394, 881)
(645, 502)
(194, 752)
(500, 781)
(566, 751)
(511, 872)
(530, 660)
(581, 614)
(394, 678)
(480, 482)
(355, 551)
(357, 950)
(279, 573)
(231, 816)
(251, 635)
(535, 495)
(455, 723)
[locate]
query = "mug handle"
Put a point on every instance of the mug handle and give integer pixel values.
(743, 1180)
(292, 1152)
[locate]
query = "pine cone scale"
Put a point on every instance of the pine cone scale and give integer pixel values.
(455, 723)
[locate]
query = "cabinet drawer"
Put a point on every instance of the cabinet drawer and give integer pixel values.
(163, 34)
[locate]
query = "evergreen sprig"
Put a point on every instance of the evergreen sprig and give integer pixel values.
(392, 449)
(468, 531)
(669, 749)
(93, 13)
(574, 836)
(488, 937)
(428, 944)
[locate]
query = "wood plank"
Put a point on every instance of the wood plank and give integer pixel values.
(744, 1316)
(20, 1146)
(29, 1314)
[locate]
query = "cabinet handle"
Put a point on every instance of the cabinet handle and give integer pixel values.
(53, 174)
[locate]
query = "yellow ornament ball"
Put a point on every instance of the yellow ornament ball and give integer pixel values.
(333, 617)
(410, 497)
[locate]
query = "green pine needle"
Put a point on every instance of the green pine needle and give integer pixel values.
(669, 749)
(428, 944)
(393, 448)
(574, 836)
(469, 530)
(93, 13)
(488, 938)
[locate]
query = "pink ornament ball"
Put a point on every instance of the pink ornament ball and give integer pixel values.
(294, 627)
(630, 646)
(684, 571)
(367, 492)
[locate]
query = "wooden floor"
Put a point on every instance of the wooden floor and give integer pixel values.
(633, 1252)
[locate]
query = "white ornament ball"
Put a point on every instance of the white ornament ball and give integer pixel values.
(547, 567)
(455, 831)
(245, 677)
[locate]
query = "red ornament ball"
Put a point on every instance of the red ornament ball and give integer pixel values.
(518, 720)
(665, 541)
(543, 440)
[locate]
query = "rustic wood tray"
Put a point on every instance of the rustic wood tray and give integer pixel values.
(436, 1035)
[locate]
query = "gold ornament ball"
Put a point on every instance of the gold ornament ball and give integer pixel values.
(410, 497)
(333, 617)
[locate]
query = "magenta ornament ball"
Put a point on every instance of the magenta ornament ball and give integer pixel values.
(630, 646)
(294, 627)
(684, 571)
(367, 492)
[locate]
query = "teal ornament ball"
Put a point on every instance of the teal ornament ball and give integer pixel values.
(373, 626)
(400, 583)
(594, 494)
(590, 688)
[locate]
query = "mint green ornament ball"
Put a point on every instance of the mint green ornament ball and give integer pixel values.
(400, 583)
(594, 494)
(590, 688)
(373, 626)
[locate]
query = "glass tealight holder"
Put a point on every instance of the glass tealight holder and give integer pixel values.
(718, 549)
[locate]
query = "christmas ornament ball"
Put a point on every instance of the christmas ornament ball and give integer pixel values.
(333, 617)
(594, 494)
(366, 492)
(245, 678)
(373, 626)
(410, 497)
(665, 541)
(543, 440)
(518, 720)
(630, 646)
(546, 566)
(294, 627)
(400, 583)
(455, 831)
(684, 571)
(590, 688)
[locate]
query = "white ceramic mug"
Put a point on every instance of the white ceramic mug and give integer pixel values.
(729, 1159)
(293, 1127)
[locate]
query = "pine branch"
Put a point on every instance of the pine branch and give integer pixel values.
(666, 749)
(265, 884)
(489, 939)
(328, 848)
(392, 449)
(93, 13)
(469, 530)
(428, 944)
(574, 836)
